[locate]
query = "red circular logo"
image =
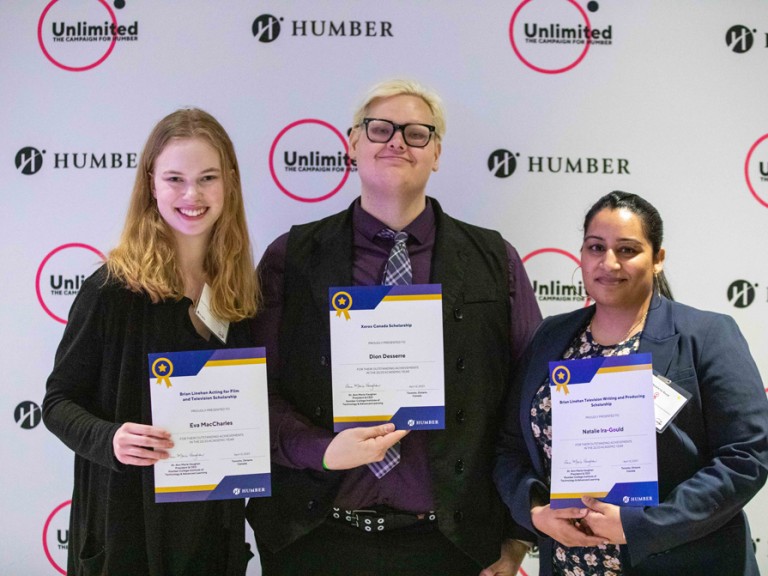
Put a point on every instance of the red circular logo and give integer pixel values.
(526, 60)
(61, 65)
(554, 251)
(283, 188)
(559, 293)
(68, 283)
(747, 170)
(46, 527)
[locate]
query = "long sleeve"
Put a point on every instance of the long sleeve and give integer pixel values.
(70, 406)
(732, 454)
(525, 315)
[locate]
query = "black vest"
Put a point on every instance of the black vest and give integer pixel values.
(471, 263)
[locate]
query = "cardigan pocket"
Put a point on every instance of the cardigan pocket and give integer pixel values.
(91, 557)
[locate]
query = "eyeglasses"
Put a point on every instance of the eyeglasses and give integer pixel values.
(382, 131)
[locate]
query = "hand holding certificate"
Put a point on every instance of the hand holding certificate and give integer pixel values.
(214, 403)
(387, 356)
(603, 431)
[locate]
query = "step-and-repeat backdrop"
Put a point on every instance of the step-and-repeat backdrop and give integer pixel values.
(551, 103)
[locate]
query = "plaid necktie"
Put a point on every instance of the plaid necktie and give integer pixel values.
(397, 272)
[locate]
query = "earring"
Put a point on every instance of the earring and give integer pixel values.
(657, 287)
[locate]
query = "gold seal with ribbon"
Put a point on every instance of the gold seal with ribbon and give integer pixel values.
(561, 376)
(162, 368)
(342, 302)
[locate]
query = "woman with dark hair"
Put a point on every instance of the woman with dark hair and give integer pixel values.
(185, 229)
(713, 456)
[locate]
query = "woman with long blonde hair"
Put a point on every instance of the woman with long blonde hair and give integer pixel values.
(185, 229)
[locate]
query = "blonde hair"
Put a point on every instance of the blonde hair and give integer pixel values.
(145, 258)
(399, 87)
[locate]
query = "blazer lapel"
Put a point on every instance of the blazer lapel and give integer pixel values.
(659, 337)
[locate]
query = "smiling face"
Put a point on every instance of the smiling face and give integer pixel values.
(188, 186)
(394, 167)
(617, 260)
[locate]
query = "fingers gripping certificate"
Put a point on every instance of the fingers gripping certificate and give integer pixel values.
(214, 403)
(603, 431)
(387, 356)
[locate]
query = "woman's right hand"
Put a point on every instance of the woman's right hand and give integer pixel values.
(141, 445)
(565, 525)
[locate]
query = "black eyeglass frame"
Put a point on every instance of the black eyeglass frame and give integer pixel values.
(398, 127)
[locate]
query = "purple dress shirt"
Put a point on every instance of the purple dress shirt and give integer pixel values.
(296, 443)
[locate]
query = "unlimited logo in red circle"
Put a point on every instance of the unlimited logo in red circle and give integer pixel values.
(60, 275)
(551, 29)
(81, 48)
(59, 523)
(308, 161)
(759, 170)
(554, 280)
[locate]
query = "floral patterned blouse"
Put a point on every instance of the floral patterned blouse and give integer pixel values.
(577, 561)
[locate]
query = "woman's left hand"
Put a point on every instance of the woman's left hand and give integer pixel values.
(604, 520)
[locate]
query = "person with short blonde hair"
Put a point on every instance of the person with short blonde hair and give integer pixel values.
(398, 87)
(376, 500)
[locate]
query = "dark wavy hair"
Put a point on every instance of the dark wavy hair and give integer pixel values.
(650, 219)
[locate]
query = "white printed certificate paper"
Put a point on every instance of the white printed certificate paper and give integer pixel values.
(603, 431)
(214, 404)
(387, 356)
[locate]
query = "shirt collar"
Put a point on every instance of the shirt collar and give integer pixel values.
(369, 225)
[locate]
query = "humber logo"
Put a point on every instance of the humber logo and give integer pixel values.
(628, 499)
(27, 415)
(266, 28)
(258, 490)
(741, 293)
(502, 163)
(739, 39)
(29, 160)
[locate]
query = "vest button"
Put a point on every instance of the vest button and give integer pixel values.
(458, 314)
(311, 505)
(459, 466)
(319, 411)
(323, 360)
(460, 365)
(458, 516)
(460, 416)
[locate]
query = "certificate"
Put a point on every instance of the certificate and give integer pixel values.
(603, 431)
(387, 356)
(214, 404)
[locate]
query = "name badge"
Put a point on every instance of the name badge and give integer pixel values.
(668, 400)
(217, 326)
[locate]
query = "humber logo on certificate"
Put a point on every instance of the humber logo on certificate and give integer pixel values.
(603, 431)
(387, 356)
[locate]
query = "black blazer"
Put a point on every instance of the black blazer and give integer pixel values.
(712, 459)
